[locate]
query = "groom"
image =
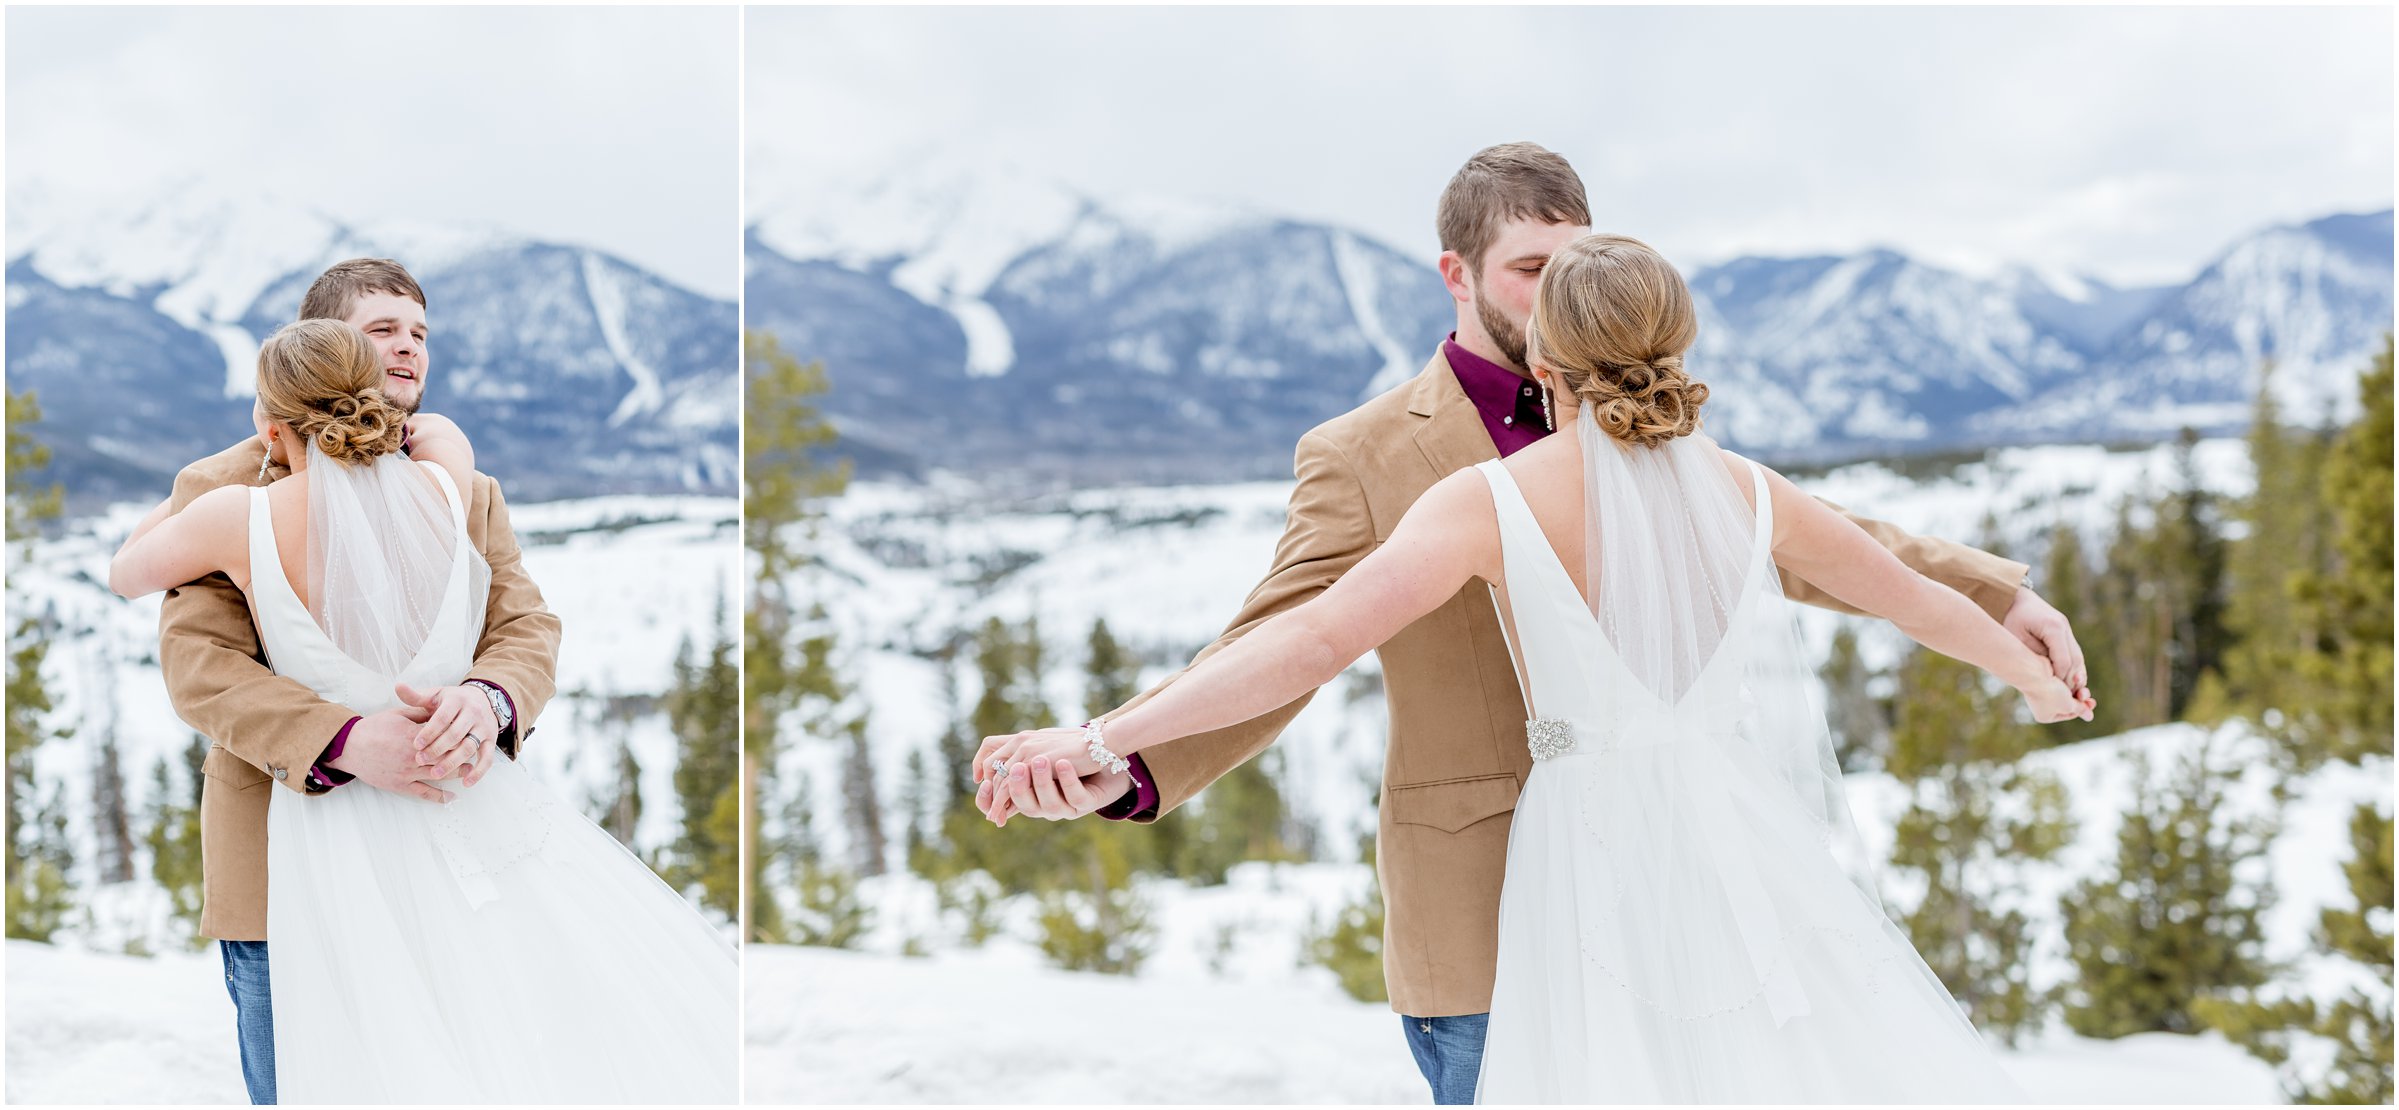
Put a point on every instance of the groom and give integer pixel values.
(272, 731)
(1457, 753)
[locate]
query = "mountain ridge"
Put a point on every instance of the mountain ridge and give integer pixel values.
(576, 372)
(1201, 354)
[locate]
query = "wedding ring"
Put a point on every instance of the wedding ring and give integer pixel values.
(999, 768)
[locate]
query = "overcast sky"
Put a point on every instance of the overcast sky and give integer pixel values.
(616, 128)
(2131, 143)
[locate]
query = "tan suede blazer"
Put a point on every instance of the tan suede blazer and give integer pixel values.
(269, 729)
(1456, 754)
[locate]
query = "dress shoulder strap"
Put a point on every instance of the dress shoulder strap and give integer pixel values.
(1504, 496)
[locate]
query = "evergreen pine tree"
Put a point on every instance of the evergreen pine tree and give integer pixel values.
(703, 708)
(2193, 527)
(785, 476)
(2269, 1020)
(1111, 676)
(1860, 727)
(112, 822)
(2360, 1022)
(1021, 857)
(861, 801)
(1240, 818)
(2153, 595)
(1352, 943)
(38, 892)
(2172, 923)
(832, 914)
(46, 902)
(2284, 541)
(623, 815)
(1102, 924)
(171, 830)
(915, 800)
(2353, 676)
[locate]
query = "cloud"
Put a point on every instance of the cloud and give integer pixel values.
(611, 127)
(2127, 142)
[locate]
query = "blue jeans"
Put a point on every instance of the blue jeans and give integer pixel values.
(1449, 1051)
(253, 1015)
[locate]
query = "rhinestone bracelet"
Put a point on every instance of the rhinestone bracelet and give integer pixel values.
(1109, 761)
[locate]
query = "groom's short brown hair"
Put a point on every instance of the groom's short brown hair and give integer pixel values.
(1502, 183)
(329, 296)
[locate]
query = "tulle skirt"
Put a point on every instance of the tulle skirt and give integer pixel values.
(501, 948)
(1673, 929)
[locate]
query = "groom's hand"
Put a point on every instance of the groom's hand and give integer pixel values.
(1050, 791)
(381, 752)
(2045, 631)
(454, 714)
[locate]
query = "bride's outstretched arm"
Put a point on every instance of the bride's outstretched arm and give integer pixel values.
(1448, 537)
(1830, 551)
(171, 548)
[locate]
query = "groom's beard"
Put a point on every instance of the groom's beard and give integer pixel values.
(1507, 336)
(414, 403)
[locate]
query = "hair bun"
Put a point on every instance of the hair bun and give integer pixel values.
(1645, 403)
(359, 427)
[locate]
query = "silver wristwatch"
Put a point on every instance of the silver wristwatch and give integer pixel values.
(499, 705)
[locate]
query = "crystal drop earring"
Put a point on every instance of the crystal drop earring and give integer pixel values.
(1547, 421)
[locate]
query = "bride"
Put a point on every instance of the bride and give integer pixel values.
(476, 940)
(1687, 913)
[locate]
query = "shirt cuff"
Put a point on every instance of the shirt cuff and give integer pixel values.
(321, 777)
(1141, 801)
(507, 737)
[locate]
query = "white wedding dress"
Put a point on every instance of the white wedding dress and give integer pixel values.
(1687, 915)
(498, 949)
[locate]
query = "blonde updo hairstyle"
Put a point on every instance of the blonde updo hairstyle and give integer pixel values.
(1612, 320)
(324, 381)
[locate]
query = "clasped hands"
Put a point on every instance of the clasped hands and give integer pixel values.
(1049, 773)
(1046, 773)
(434, 735)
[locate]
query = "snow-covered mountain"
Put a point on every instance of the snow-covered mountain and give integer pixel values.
(999, 322)
(2309, 298)
(1040, 329)
(138, 323)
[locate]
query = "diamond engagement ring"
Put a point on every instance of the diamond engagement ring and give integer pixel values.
(999, 768)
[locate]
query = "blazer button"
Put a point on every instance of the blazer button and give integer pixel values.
(281, 775)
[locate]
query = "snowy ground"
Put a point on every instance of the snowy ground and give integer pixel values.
(1227, 983)
(92, 1027)
(828, 1026)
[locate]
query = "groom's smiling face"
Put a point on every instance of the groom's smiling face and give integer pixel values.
(396, 324)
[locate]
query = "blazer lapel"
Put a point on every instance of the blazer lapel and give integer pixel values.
(1448, 429)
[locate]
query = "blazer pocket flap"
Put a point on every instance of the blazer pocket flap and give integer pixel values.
(231, 769)
(1453, 805)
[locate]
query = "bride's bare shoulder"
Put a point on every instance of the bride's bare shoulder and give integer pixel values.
(1737, 466)
(1458, 514)
(1465, 490)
